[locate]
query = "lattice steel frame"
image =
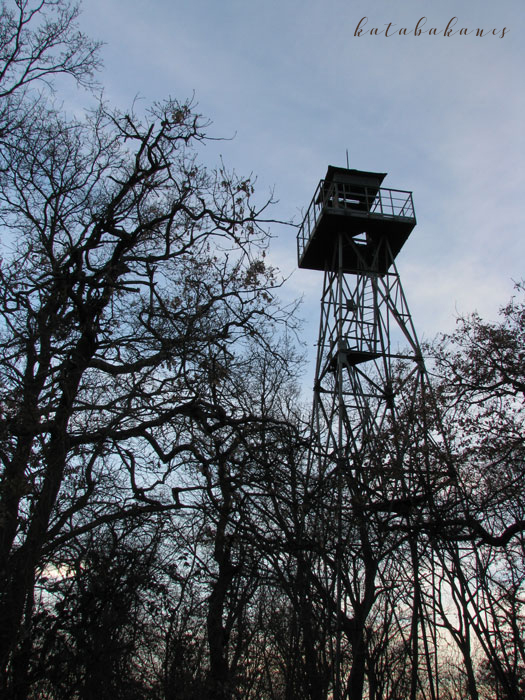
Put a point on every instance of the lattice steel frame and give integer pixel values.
(376, 434)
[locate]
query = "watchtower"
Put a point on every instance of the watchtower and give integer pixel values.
(376, 437)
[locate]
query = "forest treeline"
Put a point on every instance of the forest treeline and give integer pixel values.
(164, 532)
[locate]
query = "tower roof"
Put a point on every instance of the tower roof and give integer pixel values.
(357, 177)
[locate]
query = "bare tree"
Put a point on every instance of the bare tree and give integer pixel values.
(134, 279)
(39, 41)
(95, 618)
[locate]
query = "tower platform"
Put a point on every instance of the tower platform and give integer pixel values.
(377, 221)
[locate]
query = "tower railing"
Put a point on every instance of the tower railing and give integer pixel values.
(359, 200)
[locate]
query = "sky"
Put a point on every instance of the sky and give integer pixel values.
(291, 88)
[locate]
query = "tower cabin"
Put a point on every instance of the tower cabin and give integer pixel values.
(355, 223)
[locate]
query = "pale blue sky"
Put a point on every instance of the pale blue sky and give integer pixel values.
(442, 115)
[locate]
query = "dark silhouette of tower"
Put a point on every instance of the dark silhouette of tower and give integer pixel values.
(377, 445)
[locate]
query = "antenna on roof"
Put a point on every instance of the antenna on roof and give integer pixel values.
(347, 163)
